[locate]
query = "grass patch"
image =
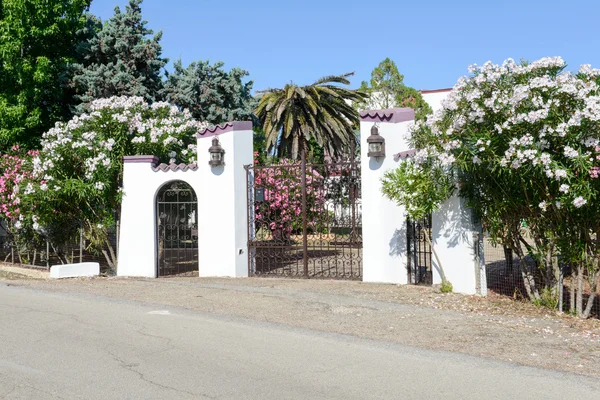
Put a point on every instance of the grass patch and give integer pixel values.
(11, 276)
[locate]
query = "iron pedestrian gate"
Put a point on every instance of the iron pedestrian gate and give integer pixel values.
(420, 267)
(177, 229)
(305, 220)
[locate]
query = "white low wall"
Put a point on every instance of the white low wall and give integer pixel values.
(81, 270)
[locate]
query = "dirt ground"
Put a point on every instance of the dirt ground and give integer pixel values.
(494, 326)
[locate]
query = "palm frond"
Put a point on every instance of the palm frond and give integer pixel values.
(294, 115)
(342, 79)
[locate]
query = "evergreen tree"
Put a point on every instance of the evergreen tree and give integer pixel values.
(38, 40)
(121, 59)
(387, 89)
(209, 92)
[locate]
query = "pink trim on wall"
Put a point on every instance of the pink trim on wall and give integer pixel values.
(141, 159)
(404, 154)
(226, 127)
(392, 115)
(175, 167)
(435, 91)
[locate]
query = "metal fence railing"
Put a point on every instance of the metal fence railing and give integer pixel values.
(504, 277)
(44, 254)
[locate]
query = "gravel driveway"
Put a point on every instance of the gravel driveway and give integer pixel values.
(494, 327)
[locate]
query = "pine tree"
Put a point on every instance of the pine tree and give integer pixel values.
(38, 40)
(122, 58)
(386, 89)
(209, 92)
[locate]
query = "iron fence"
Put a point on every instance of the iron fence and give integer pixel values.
(420, 265)
(304, 220)
(43, 254)
(504, 276)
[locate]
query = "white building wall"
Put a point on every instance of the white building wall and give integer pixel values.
(435, 97)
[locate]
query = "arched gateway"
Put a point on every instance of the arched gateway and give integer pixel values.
(177, 229)
(167, 228)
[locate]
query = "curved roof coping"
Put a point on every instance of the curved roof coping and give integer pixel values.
(226, 127)
(174, 167)
(405, 154)
(429, 91)
(392, 115)
(141, 159)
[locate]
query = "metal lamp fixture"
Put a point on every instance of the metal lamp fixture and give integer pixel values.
(217, 154)
(376, 144)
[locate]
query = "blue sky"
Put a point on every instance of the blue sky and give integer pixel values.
(431, 41)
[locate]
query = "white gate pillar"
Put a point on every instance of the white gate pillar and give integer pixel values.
(137, 234)
(383, 222)
(223, 202)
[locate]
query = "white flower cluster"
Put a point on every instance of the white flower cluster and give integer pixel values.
(532, 115)
(118, 103)
(85, 146)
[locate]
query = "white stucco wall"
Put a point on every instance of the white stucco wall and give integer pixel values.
(453, 231)
(222, 210)
(384, 222)
(137, 236)
(435, 97)
(223, 229)
(452, 235)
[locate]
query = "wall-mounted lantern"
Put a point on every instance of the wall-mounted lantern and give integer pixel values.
(376, 144)
(216, 153)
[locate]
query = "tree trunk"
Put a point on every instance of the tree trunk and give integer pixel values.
(526, 273)
(593, 289)
(55, 250)
(552, 269)
(110, 256)
(572, 291)
(508, 257)
(107, 257)
(579, 304)
(442, 273)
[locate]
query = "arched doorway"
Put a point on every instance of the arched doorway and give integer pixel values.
(177, 229)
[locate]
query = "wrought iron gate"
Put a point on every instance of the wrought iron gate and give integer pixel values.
(177, 229)
(420, 267)
(305, 221)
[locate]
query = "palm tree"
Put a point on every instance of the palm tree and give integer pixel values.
(293, 116)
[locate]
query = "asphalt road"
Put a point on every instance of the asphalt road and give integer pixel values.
(56, 346)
